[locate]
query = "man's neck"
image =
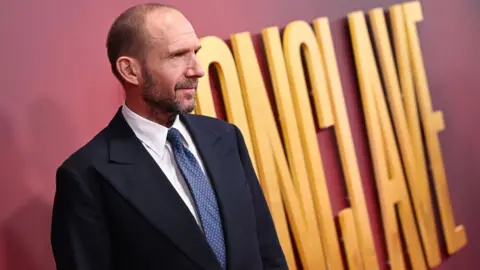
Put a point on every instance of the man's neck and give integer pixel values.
(157, 115)
(161, 117)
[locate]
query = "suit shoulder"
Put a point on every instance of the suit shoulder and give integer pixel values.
(89, 153)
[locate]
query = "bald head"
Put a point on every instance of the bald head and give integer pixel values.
(129, 35)
(152, 50)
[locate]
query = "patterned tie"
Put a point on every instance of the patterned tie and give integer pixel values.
(203, 195)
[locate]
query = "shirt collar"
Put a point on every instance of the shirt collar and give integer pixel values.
(150, 133)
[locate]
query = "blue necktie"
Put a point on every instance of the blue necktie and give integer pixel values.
(203, 195)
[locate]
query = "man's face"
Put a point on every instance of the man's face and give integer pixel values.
(171, 69)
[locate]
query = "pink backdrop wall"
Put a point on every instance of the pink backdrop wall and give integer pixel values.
(56, 92)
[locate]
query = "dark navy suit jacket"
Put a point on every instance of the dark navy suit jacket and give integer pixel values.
(115, 209)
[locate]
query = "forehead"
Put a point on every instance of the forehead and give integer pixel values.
(171, 30)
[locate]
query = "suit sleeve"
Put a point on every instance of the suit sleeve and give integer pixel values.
(270, 249)
(79, 236)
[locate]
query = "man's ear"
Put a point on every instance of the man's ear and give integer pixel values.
(129, 69)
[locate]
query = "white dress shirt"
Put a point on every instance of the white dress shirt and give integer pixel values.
(154, 138)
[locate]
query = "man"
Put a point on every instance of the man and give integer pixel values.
(159, 188)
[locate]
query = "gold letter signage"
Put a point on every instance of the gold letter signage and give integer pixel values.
(397, 109)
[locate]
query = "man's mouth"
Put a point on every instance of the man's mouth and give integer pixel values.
(187, 84)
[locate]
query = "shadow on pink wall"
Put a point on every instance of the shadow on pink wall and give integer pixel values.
(25, 226)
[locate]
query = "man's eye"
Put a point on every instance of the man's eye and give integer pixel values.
(178, 54)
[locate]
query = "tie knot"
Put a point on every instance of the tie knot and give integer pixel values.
(174, 137)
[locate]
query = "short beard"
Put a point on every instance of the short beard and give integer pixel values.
(150, 96)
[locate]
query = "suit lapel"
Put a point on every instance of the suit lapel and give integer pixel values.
(138, 178)
(217, 153)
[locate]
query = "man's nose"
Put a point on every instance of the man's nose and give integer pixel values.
(195, 70)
